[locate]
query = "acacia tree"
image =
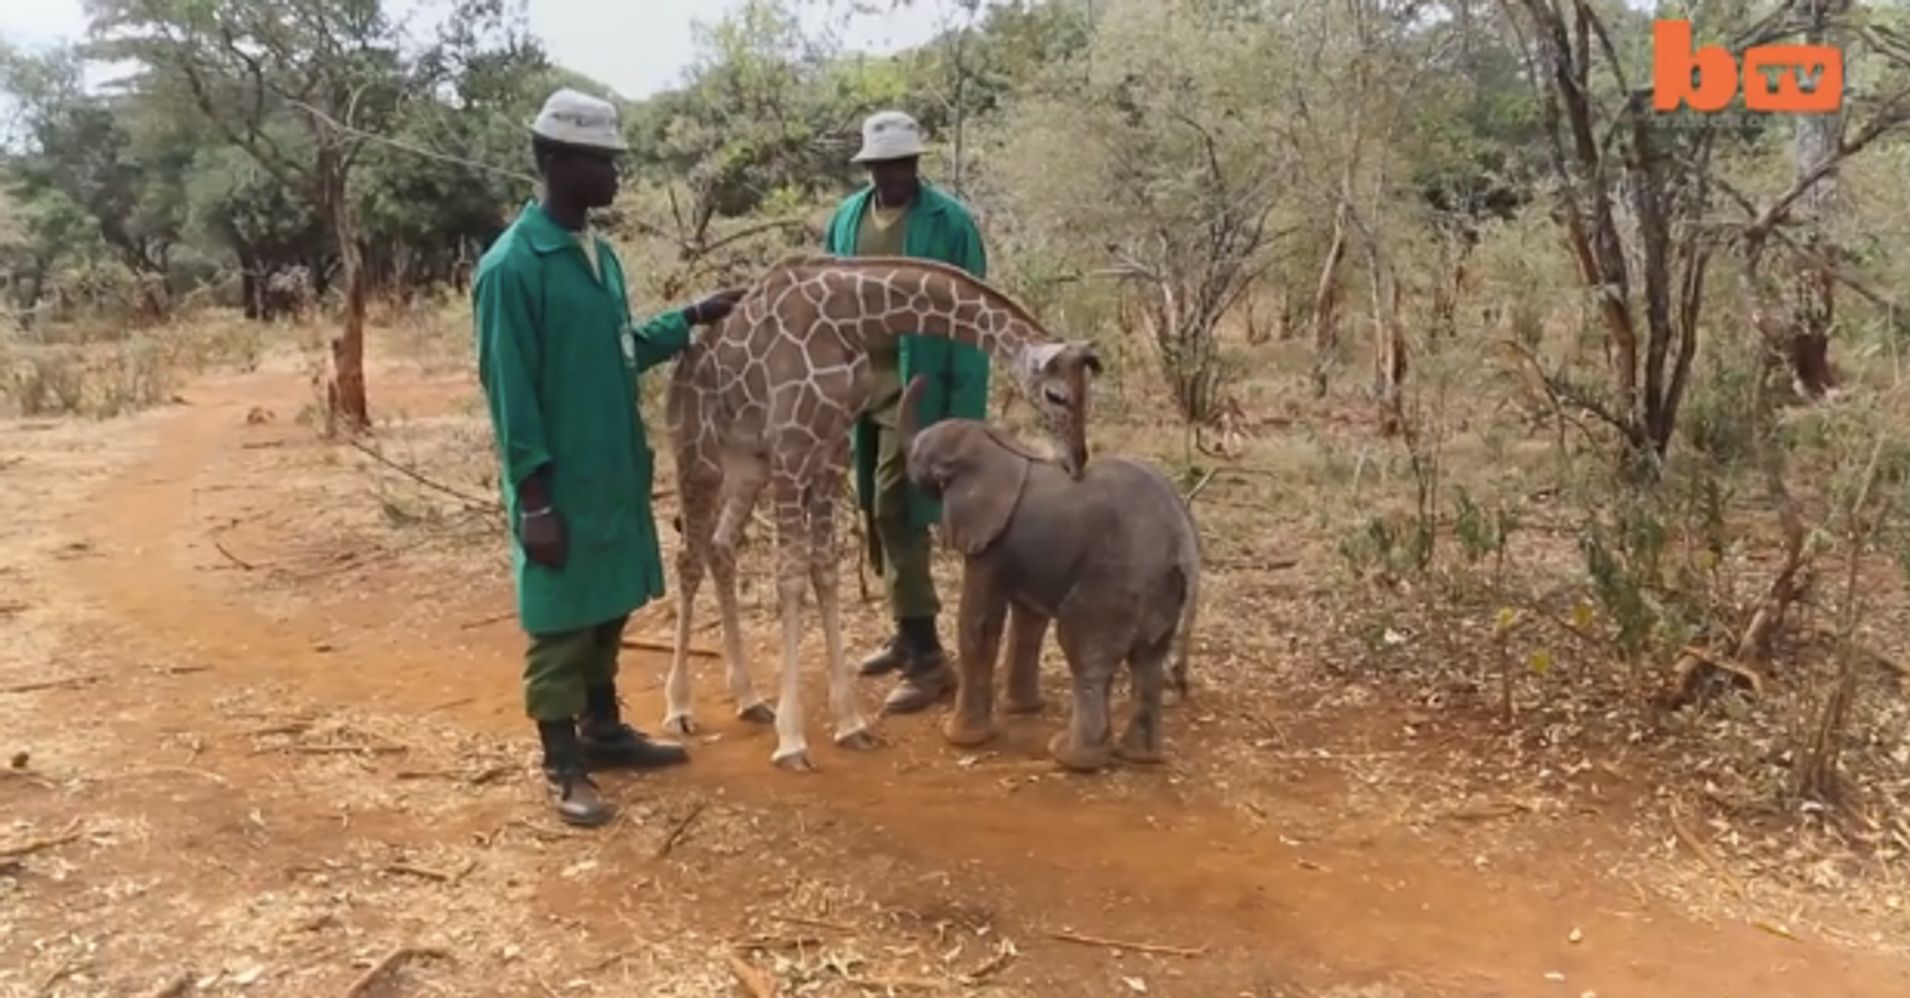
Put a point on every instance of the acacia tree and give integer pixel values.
(1148, 157)
(1602, 145)
(297, 84)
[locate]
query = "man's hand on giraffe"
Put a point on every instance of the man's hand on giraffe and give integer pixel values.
(715, 307)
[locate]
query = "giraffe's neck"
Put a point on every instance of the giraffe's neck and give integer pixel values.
(883, 298)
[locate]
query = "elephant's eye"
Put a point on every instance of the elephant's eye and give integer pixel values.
(1055, 396)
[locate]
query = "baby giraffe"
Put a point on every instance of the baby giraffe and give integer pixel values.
(766, 401)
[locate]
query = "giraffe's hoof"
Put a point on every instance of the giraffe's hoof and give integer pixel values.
(859, 740)
(757, 713)
(794, 761)
(679, 725)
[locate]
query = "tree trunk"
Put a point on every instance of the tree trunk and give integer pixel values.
(1389, 347)
(345, 396)
(1326, 299)
(1813, 306)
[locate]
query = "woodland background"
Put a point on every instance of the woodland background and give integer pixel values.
(1594, 415)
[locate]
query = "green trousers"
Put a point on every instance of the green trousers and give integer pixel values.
(905, 547)
(560, 666)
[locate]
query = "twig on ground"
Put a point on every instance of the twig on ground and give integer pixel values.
(419, 477)
(753, 980)
(1164, 950)
(428, 873)
(670, 841)
(813, 922)
(448, 704)
(646, 644)
(338, 749)
(9, 609)
(1487, 812)
(1004, 952)
(496, 618)
(1201, 486)
(72, 833)
(53, 684)
(391, 960)
(233, 558)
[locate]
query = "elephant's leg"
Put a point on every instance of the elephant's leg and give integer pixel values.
(1141, 742)
(1026, 630)
(978, 642)
(1092, 660)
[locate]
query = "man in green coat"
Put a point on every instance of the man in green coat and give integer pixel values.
(899, 214)
(558, 357)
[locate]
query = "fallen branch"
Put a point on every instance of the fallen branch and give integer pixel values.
(752, 980)
(53, 684)
(1694, 660)
(419, 477)
(1704, 854)
(391, 959)
(670, 841)
(175, 987)
(496, 618)
(1157, 948)
(31, 846)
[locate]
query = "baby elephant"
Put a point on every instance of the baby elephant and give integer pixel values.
(1113, 558)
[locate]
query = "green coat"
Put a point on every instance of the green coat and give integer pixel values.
(559, 358)
(939, 228)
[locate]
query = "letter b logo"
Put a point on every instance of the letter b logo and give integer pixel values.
(1674, 64)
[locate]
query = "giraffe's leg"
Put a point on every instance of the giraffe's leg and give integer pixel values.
(691, 560)
(676, 687)
(792, 749)
(852, 729)
(750, 705)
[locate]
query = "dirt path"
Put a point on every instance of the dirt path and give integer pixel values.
(277, 775)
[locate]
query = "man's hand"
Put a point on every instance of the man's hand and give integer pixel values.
(715, 307)
(545, 539)
(540, 528)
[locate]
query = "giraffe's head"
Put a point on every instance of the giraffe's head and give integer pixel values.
(1055, 377)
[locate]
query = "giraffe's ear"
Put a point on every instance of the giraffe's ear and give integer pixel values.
(1090, 359)
(1040, 358)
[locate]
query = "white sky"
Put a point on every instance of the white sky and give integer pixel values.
(635, 46)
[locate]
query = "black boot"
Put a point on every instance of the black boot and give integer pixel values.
(925, 673)
(608, 743)
(571, 792)
(889, 657)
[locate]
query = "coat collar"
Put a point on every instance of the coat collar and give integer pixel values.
(544, 234)
(928, 201)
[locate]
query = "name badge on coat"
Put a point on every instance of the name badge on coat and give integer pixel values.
(628, 337)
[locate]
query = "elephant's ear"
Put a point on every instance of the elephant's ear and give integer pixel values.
(978, 502)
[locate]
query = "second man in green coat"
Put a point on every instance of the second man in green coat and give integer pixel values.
(899, 214)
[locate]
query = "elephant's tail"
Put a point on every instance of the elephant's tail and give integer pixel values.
(1190, 559)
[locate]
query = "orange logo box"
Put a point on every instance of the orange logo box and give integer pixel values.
(1791, 79)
